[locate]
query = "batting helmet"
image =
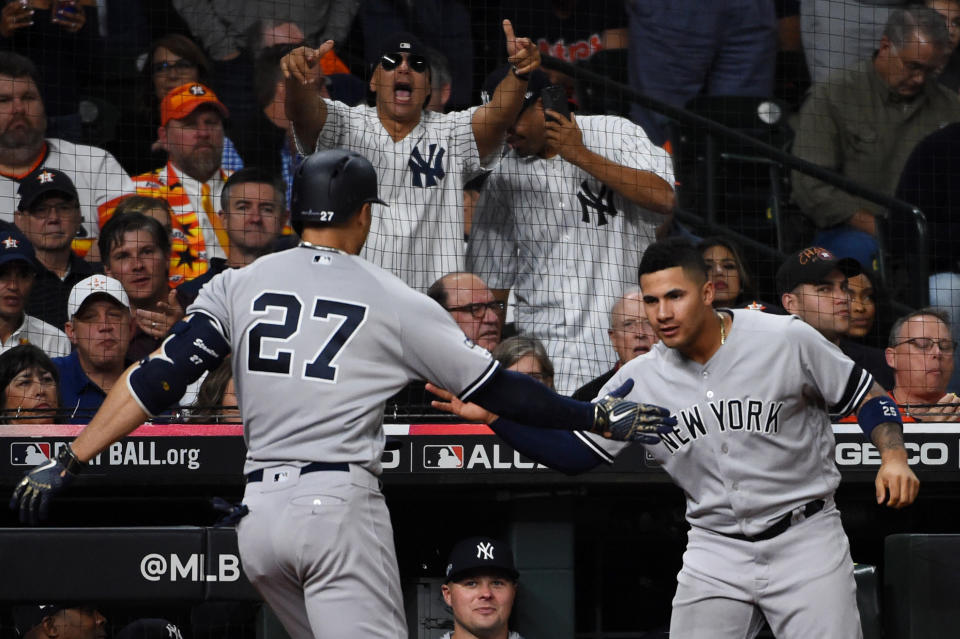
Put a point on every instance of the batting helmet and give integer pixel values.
(330, 187)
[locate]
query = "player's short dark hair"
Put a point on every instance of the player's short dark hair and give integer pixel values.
(21, 358)
(254, 175)
(673, 252)
(15, 65)
(112, 233)
(929, 311)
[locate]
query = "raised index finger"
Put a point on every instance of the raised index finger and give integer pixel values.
(508, 31)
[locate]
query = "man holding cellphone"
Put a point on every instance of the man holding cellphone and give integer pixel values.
(564, 220)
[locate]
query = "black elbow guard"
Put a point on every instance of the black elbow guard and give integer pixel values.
(195, 344)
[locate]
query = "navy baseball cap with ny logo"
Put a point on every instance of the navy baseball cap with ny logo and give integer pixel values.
(480, 555)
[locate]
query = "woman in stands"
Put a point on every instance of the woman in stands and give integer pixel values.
(525, 355)
(31, 386)
(731, 283)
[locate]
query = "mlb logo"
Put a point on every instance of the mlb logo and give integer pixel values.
(443, 456)
(29, 453)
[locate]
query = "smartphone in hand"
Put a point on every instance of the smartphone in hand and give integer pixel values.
(63, 10)
(555, 98)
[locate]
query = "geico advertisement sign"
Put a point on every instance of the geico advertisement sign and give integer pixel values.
(173, 567)
(864, 454)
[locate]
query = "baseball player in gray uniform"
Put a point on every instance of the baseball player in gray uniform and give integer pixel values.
(423, 158)
(320, 339)
(752, 451)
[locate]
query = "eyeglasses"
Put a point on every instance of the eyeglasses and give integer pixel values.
(62, 209)
(926, 343)
(479, 308)
(165, 67)
(635, 326)
(917, 68)
(391, 61)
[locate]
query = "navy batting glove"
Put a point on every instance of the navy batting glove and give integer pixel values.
(32, 495)
(624, 420)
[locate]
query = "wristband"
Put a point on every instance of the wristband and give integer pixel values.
(70, 461)
(876, 411)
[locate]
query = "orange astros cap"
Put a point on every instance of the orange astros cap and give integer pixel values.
(183, 100)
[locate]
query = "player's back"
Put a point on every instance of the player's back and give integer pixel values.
(320, 340)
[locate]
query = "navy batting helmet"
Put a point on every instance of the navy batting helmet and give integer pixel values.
(330, 187)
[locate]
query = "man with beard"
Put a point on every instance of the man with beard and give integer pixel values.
(99, 179)
(191, 132)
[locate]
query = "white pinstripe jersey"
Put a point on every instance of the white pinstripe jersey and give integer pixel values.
(567, 244)
(420, 237)
(320, 340)
(754, 438)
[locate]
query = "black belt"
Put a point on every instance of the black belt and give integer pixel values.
(313, 467)
(809, 510)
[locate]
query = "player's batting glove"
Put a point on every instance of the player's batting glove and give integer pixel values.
(631, 421)
(32, 495)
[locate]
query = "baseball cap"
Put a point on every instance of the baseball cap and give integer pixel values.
(185, 99)
(403, 42)
(810, 266)
(26, 618)
(98, 284)
(14, 245)
(538, 82)
(150, 629)
(41, 181)
(480, 554)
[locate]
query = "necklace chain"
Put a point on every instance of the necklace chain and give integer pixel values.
(723, 332)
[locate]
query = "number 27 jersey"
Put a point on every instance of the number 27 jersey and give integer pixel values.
(320, 340)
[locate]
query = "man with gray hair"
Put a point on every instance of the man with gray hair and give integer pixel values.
(631, 335)
(864, 121)
(921, 354)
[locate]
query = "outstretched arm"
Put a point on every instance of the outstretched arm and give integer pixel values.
(194, 345)
(880, 420)
(559, 449)
(490, 122)
(304, 106)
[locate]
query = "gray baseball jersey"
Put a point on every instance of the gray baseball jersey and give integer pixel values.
(754, 438)
(420, 237)
(753, 447)
(567, 244)
(320, 341)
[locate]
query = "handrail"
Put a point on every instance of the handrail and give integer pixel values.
(917, 268)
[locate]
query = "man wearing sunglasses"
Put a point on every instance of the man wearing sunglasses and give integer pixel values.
(423, 158)
(921, 356)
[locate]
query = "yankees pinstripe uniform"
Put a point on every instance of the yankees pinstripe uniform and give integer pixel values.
(420, 237)
(567, 244)
(315, 358)
(749, 450)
